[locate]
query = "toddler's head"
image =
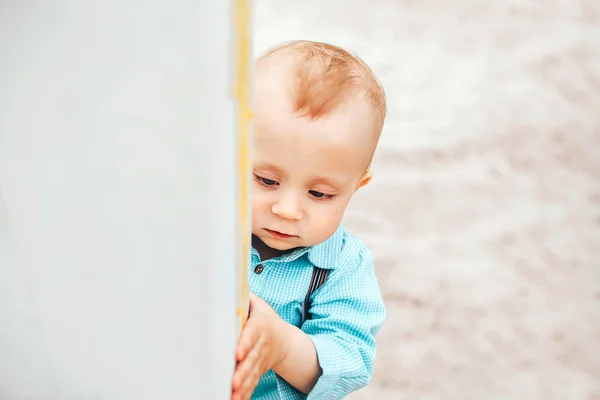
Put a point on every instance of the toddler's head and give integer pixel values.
(318, 113)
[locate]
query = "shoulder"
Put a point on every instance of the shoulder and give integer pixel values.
(342, 251)
(351, 292)
(354, 254)
(353, 273)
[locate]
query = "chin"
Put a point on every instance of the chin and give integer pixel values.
(278, 244)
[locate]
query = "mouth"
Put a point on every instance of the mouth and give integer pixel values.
(280, 235)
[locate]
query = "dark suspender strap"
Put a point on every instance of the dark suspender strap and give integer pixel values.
(318, 277)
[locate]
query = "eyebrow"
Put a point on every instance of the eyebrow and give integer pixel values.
(320, 180)
(329, 181)
(269, 166)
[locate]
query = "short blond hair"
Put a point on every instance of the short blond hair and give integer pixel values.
(325, 75)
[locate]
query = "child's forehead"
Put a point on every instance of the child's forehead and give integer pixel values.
(351, 123)
(339, 140)
(310, 160)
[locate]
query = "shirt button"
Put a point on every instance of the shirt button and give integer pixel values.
(258, 269)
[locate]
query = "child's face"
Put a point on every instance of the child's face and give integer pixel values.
(305, 172)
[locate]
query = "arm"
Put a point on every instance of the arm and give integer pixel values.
(333, 353)
(348, 311)
(268, 342)
(300, 366)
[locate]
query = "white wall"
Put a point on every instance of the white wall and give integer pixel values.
(117, 200)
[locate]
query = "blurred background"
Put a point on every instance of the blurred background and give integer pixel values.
(484, 213)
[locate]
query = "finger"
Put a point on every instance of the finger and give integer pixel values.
(255, 301)
(236, 382)
(254, 379)
(247, 341)
(253, 297)
(246, 392)
(247, 389)
(246, 366)
(252, 369)
(237, 396)
(250, 306)
(251, 362)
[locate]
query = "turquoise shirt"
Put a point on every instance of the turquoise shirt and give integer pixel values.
(347, 312)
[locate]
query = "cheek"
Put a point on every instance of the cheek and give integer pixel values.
(260, 199)
(327, 219)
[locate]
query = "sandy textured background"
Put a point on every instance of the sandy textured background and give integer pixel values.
(484, 214)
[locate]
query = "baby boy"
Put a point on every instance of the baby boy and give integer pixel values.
(315, 305)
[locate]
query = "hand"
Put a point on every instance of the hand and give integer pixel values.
(261, 347)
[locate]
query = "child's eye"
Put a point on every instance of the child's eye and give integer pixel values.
(320, 195)
(265, 181)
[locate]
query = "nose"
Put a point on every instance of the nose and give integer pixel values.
(288, 207)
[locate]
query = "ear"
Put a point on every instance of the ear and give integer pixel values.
(366, 178)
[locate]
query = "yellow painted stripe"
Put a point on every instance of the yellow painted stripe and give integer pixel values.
(242, 14)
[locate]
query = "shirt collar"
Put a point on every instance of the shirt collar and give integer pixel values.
(323, 255)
